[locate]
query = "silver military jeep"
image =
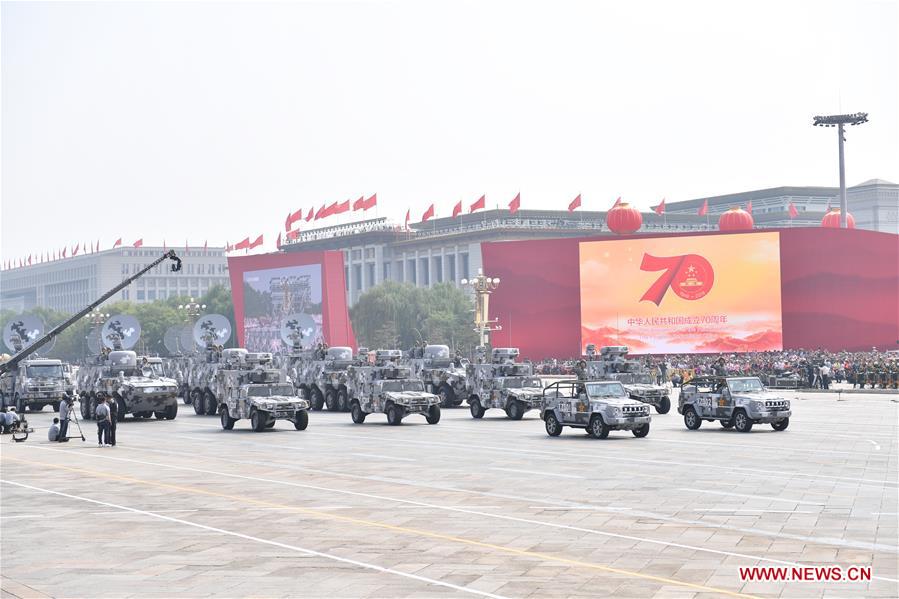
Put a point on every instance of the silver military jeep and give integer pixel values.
(597, 406)
(735, 402)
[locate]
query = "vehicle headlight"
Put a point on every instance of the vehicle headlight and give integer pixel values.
(758, 405)
(616, 412)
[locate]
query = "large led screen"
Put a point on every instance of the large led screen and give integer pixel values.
(272, 295)
(689, 294)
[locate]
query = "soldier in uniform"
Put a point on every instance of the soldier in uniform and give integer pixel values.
(580, 370)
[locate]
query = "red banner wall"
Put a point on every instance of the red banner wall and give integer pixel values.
(839, 290)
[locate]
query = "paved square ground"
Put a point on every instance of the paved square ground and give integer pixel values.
(486, 507)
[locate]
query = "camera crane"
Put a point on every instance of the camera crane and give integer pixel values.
(11, 364)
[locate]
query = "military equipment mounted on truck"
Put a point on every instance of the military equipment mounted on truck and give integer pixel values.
(205, 378)
(135, 384)
(505, 384)
(323, 378)
(35, 383)
(613, 365)
(443, 375)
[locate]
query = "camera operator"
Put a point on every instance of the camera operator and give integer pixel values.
(65, 406)
(8, 419)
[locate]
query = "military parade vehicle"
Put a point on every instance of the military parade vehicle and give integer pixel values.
(323, 378)
(206, 377)
(390, 388)
(735, 402)
(136, 385)
(259, 392)
(596, 406)
(35, 383)
(613, 365)
(443, 375)
(502, 383)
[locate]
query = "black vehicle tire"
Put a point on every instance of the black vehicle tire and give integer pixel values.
(477, 411)
(84, 406)
(641, 431)
(270, 424)
(121, 409)
(691, 419)
(304, 392)
(92, 407)
(781, 425)
(664, 406)
(159, 415)
(331, 400)
(356, 412)
(196, 400)
(552, 424)
(318, 400)
(210, 405)
(447, 395)
(227, 421)
(394, 415)
(343, 404)
(301, 420)
(185, 397)
(55, 405)
(597, 428)
(258, 420)
(728, 424)
(20, 404)
(170, 411)
(742, 423)
(433, 416)
(515, 410)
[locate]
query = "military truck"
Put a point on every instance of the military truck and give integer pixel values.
(323, 378)
(735, 402)
(34, 384)
(502, 383)
(136, 385)
(613, 365)
(206, 386)
(389, 388)
(596, 406)
(442, 374)
(261, 394)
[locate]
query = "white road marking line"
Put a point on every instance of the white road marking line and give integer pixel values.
(885, 513)
(383, 457)
(876, 445)
(365, 565)
(540, 473)
(22, 516)
(551, 508)
(727, 511)
(765, 497)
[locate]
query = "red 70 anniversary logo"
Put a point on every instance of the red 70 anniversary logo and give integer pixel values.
(690, 276)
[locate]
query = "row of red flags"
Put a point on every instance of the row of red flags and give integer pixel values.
(246, 244)
(325, 211)
(78, 248)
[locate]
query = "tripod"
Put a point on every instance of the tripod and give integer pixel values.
(73, 417)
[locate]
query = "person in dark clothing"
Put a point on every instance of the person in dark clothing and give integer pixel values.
(113, 419)
(102, 416)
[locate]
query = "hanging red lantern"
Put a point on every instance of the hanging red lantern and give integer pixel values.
(832, 219)
(735, 219)
(624, 219)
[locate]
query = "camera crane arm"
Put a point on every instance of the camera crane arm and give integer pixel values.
(14, 361)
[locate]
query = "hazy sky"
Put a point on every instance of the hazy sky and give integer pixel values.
(212, 120)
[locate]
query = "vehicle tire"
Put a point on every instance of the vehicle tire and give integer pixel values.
(270, 424)
(664, 406)
(342, 402)
(742, 422)
(691, 419)
(318, 400)
(552, 424)
(728, 424)
(196, 400)
(210, 405)
(394, 415)
(227, 421)
(477, 411)
(515, 410)
(92, 408)
(304, 392)
(357, 413)
(84, 403)
(433, 416)
(447, 395)
(258, 420)
(597, 428)
(301, 420)
(121, 409)
(186, 398)
(781, 425)
(55, 405)
(20, 404)
(331, 400)
(159, 415)
(641, 431)
(170, 411)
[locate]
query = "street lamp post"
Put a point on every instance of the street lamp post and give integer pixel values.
(839, 121)
(191, 311)
(483, 286)
(96, 318)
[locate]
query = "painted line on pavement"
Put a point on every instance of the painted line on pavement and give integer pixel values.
(538, 473)
(765, 497)
(383, 457)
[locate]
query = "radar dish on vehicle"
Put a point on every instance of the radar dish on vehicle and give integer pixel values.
(93, 342)
(170, 340)
(298, 329)
(122, 331)
(21, 331)
(212, 329)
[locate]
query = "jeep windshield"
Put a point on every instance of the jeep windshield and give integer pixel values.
(437, 352)
(340, 354)
(519, 382)
(750, 385)
(609, 389)
(402, 386)
(269, 390)
(52, 371)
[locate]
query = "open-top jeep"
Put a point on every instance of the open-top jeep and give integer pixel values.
(597, 406)
(737, 402)
(505, 384)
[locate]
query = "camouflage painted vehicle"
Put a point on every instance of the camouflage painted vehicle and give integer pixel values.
(262, 395)
(442, 374)
(35, 383)
(502, 383)
(390, 389)
(596, 406)
(322, 380)
(204, 381)
(137, 385)
(613, 365)
(735, 402)
(178, 369)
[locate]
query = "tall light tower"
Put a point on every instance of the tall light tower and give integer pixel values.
(191, 311)
(839, 121)
(483, 286)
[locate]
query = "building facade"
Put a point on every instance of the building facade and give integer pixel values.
(69, 284)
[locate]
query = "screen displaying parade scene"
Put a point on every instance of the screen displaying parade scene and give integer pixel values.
(272, 295)
(692, 294)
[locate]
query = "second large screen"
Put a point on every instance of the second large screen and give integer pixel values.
(713, 293)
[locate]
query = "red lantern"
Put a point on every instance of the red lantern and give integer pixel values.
(832, 219)
(735, 219)
(624, 219)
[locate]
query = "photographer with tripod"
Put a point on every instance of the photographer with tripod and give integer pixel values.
(65, 406)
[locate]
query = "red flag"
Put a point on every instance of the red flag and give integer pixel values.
(332, 209)
(575, 203)
(291, 235)
(792, 209)
(749, 206)
(310, 215)
(278, 243)
(242, 245)
(616, 204)
(479, 205)
(359, 204)
(256, 243)
(228, 247)
(342, 207)
(117, 243)
(29, 259)
(515, 204)
(705, 209)
(660, 209)
(320, 213)
(139, 243)
(370, 202)
(77, 247)
(428, 213)
(287, 222)
(457, 209)
(64, 250)
(294, 217)
(205, 244)
(407, 217)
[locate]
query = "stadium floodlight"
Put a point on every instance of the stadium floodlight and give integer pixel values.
(840, 121)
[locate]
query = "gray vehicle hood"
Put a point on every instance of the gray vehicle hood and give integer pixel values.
(402, 397)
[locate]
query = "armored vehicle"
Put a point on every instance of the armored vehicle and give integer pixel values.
(204, 380)
(323, 379)
(597, 406)
(442, 374)
(738, 402)
(137, 386)
(261, 394)
(613, 365)
(390, 389)
(34, 384)
(503, 383)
